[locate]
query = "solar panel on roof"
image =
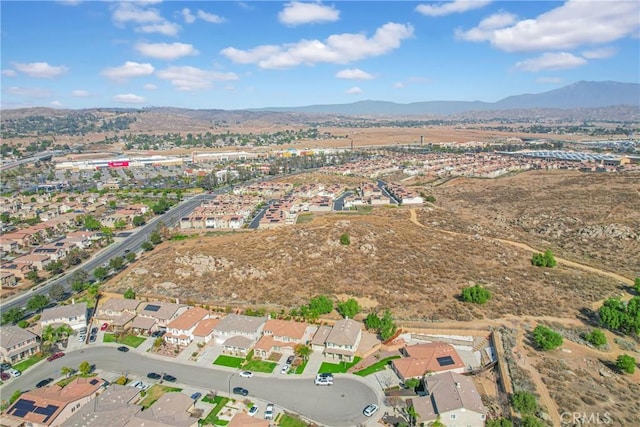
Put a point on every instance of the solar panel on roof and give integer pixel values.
(445, 360)
(19, 413)
(94, 382)
(152, 307)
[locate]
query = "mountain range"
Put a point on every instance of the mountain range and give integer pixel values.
(583, 94)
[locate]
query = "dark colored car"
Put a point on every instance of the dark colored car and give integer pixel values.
(196, 396)
(290, 359)
(241, 391)
(153, 376)
(157, 334)
(44, 382)
(55, 356)
(94, 330)
(4, 366)
(123, 348)
(5, 376)
(92, 338)
(169, 378)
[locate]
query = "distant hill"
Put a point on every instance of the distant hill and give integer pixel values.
(582, 94)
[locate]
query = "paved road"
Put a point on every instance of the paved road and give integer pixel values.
(133, 243)
(338, 405)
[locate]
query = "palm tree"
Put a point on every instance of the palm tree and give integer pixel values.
(303, 351)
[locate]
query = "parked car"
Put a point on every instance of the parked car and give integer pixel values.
(83, 330)
(241, 391)
(285, 369)
(14, 372)
(158, 333)
(4, 366)
(123, 348)
(4, 376)
(44, 382)
(153, 376)
(253, 411)
(246, 374)
(268, 411)
(92, 338)
(290, 359)
(323, 381)
(82, 338)
(196, 395)
(370, 409)
(94, 330)
(104, 326)
(55, 356)
(169, 378)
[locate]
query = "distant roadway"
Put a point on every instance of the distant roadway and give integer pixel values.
(338, 405)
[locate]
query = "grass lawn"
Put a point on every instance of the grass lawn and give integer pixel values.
(230, 361)
(337, 368)
(291, 421)
(109, 338)
(154, 394)
(130, 340)
(260, 366)
(300, 368)
(376, 367)
(212, 418)
(26, 364)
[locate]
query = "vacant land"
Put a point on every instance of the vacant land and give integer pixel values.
(418, 271)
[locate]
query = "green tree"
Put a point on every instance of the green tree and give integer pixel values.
(66, 371)
(321, 304)
(303, 351)
(120, 224)
(131, 256)
(524, 402)
(138, 220)
(546, 338)
(545, 259)
(129, 294)
(12, 315)
(155, 238)
(37, 302)
(147, 246)
(348, 308)
(91, 223)
(78, 280)
(531, 421)
(618, 315)
(626, 363)
(93, 290)
(33, 276)
(116, 263)
(596, 337)
(55, 267)
(387, 326)
(14, 396)
(636, 285)
(56, 292)
(100, 273)
(85, 368)
(476, 294)
(412, 383)
(372, 321)
(499, 422)
(345, 239)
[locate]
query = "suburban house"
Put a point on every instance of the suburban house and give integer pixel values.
(320, 338)
(237, 333)
(343, 340)
(35, 261)
(53, 405)
(17, 344)
(180, 330)
(454, 398)
(7, 279)
(242, 419)
(170, 410)
(204, 331)
(118, 313)
(20, 271)
(281, 336)
(156, 315)
(74, 315)
(427, 359)
(111, 408)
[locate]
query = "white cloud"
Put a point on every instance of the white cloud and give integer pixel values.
(129, 98)
(188, 16)
(166, 28)
(186, 78)
(486, 27)
(128, 70)
(398, 85)
(148, 20)
(297, 13)
(353, 74)
(9, 73)
(150, 86)
(29, 92)
(575, 23)
(40, 69)
(549, 80)
(56, 104)
(210, 17)
(353, 91)
(79, 93)
(456, 6)
(337, 49)
(551, 61)
(601, 53)
(167, 51)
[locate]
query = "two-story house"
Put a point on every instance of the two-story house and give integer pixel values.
(281, 336)
(237, 333)
(451, 397)
(156, 315)
(17, 344)
(180, 330)
(118, 313)
(342, 341)
(74, 315)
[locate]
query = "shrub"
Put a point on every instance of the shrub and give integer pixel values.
(626, 363)
(476, 294)
(348, 308)
(636, 285)
(345, 239)
(531, 421)
(500, 422)
(546, 338)
(596, 337)
(524, 402)
(545, 259)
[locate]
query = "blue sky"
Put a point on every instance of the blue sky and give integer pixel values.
(251, 54)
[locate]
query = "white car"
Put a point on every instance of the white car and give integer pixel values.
(139, 384)
(268, 411)
(253, 411)
(285, 369)
(370, 409)
(14, 372)
(246, 374)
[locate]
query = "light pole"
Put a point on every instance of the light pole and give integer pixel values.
(229, 384)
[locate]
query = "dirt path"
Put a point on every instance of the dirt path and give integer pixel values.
(524, 246)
